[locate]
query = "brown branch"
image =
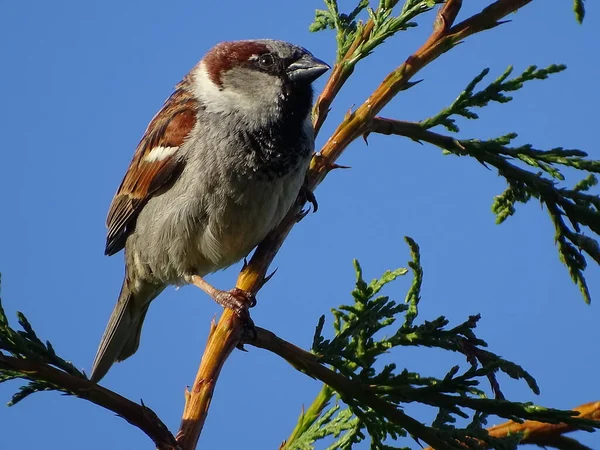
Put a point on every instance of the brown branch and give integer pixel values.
(138, 415)
(339, 75)
(227, 333)
(222, 339)
(544, 434)
(439, 43)
(414, 131)
(309, 364)
(221, 342)
(534, 432)
(563, 443)
(443, 21)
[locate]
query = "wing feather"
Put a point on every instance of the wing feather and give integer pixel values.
(146, 174)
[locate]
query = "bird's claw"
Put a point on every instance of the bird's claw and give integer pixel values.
(302, 214)
(306, 195)
(309, 196)
(248, 332)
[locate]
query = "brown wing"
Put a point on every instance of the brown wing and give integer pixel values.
(156, 162)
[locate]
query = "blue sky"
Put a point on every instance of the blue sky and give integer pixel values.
(81, 80)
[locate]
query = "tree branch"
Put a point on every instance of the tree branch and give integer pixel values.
(309, 364)
(579, 208)
(544, 434)
(536, 432)
(221, 342)
(339, 75)
(414, 131)
(438, 43)
(138, 415)
(222, 339)
(533, 432)
(147, 421)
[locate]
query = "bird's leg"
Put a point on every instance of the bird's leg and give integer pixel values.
(237, 300)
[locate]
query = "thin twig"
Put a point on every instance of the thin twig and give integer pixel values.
(416, 132)
(138, 415)
(339, 75)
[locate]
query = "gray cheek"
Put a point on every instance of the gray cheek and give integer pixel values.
(255, 95)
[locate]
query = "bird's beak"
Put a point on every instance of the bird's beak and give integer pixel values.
(307, 69)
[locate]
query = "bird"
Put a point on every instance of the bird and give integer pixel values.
(216, 170)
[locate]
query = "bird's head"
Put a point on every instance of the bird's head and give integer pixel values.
(260, 80)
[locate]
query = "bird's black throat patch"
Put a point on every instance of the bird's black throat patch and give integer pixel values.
(276, 148)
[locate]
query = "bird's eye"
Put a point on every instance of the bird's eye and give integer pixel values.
(266, 60)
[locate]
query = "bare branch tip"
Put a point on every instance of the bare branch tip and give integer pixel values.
(267, 278)
(349, 113)
(337, 166)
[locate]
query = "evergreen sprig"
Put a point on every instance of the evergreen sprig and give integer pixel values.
(384, 24)
(25, 344)
(349, 27)
(579, 9)
(336, 422)
(358, 343)
(494, 92)
(570, 210)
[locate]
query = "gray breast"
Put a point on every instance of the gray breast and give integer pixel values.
(232, 191)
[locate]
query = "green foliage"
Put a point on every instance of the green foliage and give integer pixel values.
(579, 9)
(336, 422)
(345, 24)
(25, 344)
(384, 25)
(357, 39)
(494, 92)
(366, 330)
(578, 207)
(348, 26)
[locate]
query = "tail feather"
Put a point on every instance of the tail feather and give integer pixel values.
(121, 337)
(132, 342)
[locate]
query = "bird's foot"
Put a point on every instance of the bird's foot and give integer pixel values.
(237, 300)
(240, 302)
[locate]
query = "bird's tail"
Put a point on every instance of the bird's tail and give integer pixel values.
(121, 338)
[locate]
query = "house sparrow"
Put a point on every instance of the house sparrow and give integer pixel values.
(218, 167)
